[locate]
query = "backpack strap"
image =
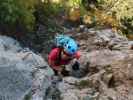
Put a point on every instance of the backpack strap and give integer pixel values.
(58, 59)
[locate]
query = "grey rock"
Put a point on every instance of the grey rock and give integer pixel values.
(17, 67)
(110, 57)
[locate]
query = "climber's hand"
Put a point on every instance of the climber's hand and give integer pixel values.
(76, 65)
(61, 68)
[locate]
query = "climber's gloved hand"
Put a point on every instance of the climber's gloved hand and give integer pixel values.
(76, 65)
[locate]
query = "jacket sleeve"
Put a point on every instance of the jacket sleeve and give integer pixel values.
(52, 55)
(52, 58)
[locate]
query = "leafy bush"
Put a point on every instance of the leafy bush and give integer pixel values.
(117, 13)
(123, 11)
(127, 27)
(100, 18)
(17, 14)
(50, 7)
(121, 8)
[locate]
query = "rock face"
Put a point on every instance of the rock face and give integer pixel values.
(20, 74)
(109, 59)
(105, 72)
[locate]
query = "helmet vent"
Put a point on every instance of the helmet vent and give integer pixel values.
(69, 47)
(73, 50)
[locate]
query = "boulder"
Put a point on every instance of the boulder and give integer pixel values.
(108, 57)
(19, 71)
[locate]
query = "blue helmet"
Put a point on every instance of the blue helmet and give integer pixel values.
(71, 46)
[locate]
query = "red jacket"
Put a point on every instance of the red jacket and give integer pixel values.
(53, 56)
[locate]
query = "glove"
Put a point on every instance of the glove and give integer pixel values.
(76, 65)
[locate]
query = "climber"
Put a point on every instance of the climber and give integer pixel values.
(63, 54)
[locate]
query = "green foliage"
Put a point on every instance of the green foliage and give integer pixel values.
(89, 4)
(127, 26)
(8, 11)
(28, 96)
(83, 84)
(73, 3)
(123, 10)
(120, 10)
(52, 9)
(18, 14)
(14, 13)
